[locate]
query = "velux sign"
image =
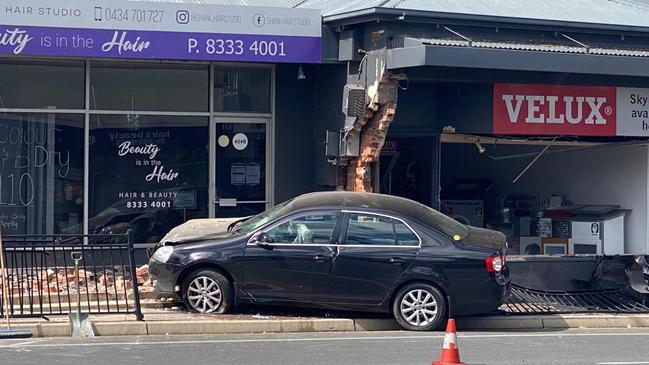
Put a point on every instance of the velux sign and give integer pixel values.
(570, 110)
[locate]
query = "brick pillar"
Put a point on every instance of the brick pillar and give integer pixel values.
(372, 138)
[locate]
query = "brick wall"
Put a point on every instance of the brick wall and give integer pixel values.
(372, 138)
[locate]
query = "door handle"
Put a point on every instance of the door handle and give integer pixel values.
(321, 258)
(397, 261)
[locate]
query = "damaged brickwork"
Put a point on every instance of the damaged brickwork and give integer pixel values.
(51, 290)
(356, 173)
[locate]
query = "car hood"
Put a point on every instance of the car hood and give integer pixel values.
(486, 238)
(198, 230)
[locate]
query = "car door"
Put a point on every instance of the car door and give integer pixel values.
(295, 262)
(375, 250)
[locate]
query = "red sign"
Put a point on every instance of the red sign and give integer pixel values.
(554, 110)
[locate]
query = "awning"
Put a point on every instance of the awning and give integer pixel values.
(567, 57)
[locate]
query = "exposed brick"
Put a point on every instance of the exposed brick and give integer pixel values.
(373, 127)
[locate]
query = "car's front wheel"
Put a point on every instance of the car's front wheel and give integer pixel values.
(207, 291)
(419, 307)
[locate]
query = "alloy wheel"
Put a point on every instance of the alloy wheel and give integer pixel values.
(418, 307)
(204, 294)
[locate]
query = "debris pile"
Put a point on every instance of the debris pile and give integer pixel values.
(113, 281)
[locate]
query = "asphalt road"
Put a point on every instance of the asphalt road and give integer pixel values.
(603, 347)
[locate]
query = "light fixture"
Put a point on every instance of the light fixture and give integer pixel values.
(300, 73)
(478, 145)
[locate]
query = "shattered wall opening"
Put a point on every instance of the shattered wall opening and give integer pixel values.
(356, 173)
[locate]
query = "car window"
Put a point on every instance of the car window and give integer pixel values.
(369, 229)
(405, 237)
(310, 228)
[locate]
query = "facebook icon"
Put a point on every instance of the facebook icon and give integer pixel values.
(259, 20)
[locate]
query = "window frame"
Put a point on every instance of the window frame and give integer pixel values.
(219, 66)
(94, 65)
(344, 229)
(50, 62)
(86, 111)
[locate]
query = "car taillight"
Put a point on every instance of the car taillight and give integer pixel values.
(495, 263)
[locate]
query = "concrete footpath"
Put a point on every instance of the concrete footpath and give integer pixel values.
(160, 322)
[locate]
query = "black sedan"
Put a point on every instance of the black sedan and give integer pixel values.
(340, 251)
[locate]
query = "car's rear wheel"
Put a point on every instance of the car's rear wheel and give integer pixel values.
(207, 291)
(419, 307)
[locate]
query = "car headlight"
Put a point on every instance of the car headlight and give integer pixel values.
(163, 253)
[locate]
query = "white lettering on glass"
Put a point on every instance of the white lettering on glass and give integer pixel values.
(159, 174)
(151, 150)
(16, 38)
(122, 44)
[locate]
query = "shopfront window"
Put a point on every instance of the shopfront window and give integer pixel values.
(148, 145)
(41, 173)
(41, 84)
(147, 173)
(144, 86)
(244, 89)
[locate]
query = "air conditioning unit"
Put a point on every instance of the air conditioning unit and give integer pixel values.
(354, 101)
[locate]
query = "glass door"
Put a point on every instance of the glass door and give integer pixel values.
(241, 179)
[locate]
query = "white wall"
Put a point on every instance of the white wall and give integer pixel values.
(611, 175)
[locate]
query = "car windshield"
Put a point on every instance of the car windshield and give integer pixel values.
(261, 219)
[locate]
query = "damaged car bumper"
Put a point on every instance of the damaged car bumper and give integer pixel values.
(165, 276)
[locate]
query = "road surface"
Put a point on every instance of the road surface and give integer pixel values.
(603, 347)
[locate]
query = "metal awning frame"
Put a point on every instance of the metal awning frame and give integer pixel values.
(515, 60)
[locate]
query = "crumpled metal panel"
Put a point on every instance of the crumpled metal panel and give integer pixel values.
(529, 301)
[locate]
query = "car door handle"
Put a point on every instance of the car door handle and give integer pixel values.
(321, 258)
(397, 261)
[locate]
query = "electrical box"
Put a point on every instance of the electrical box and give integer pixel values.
(332, 144)
(341, 144)
(350, 145)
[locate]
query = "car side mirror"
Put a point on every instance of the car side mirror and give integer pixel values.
(261, 239)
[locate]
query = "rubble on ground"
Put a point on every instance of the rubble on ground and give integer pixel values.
(49, 281)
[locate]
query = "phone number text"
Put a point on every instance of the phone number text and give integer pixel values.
(145, 204)
(235, 47)
(128, 15)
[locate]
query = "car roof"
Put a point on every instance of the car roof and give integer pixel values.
(353, 200)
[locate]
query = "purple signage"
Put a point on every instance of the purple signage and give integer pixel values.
(159, 45)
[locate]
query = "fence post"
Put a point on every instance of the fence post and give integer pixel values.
(136, 290)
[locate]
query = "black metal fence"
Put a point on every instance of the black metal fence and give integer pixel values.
(41, 275)
(531, 301)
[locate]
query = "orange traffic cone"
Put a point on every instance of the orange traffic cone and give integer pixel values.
(450, 352)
